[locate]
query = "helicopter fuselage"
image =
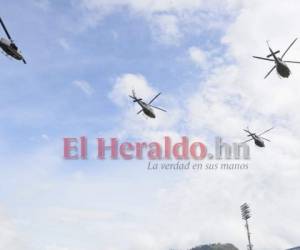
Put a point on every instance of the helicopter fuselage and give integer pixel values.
(282, 69)
(146, 109)
(10, 49)
(258, 141)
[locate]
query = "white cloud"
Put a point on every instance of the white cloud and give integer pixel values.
(57, 248)
(43, 4)
(197, 55)
(152, 6)
(84, 86)
(76, 216)
(165, 29)
(124, 86)
(169, 20)
(9, 237)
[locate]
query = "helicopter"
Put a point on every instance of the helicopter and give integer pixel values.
(258, 139)
(280, 64)
(147, 108)
(8, 45)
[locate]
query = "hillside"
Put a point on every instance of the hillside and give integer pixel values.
(215, 247)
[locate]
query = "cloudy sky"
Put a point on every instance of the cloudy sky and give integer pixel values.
(84, 57)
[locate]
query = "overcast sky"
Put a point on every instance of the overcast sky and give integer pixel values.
(84, 57)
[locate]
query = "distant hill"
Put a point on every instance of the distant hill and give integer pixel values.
(216, 247)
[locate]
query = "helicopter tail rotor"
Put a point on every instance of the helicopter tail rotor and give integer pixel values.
(135, 99)
(133, 96)
(274, 53)
(247, 130)
(249, 133)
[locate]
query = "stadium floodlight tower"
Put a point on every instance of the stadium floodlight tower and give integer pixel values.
(246, 215)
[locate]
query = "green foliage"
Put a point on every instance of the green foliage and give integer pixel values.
(216, 247)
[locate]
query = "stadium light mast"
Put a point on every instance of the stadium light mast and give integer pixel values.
(246, 215)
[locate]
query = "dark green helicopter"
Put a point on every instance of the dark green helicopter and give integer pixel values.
(146, 108)
(280, 64)
(8, 45)
(258, 139)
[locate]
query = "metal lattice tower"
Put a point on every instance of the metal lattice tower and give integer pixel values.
(246, 215)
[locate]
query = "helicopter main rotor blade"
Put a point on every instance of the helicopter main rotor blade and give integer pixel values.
(154, 98)
(24, 61)
(158, 108)
(291, 62)
(265, 131)
(133, 94)
(3, 26)
(263, 58)
(247, 141)
(289, 48)
(270, 72)
(265, 139)
(139, 112)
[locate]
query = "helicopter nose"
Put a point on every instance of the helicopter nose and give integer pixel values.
(152, 115)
